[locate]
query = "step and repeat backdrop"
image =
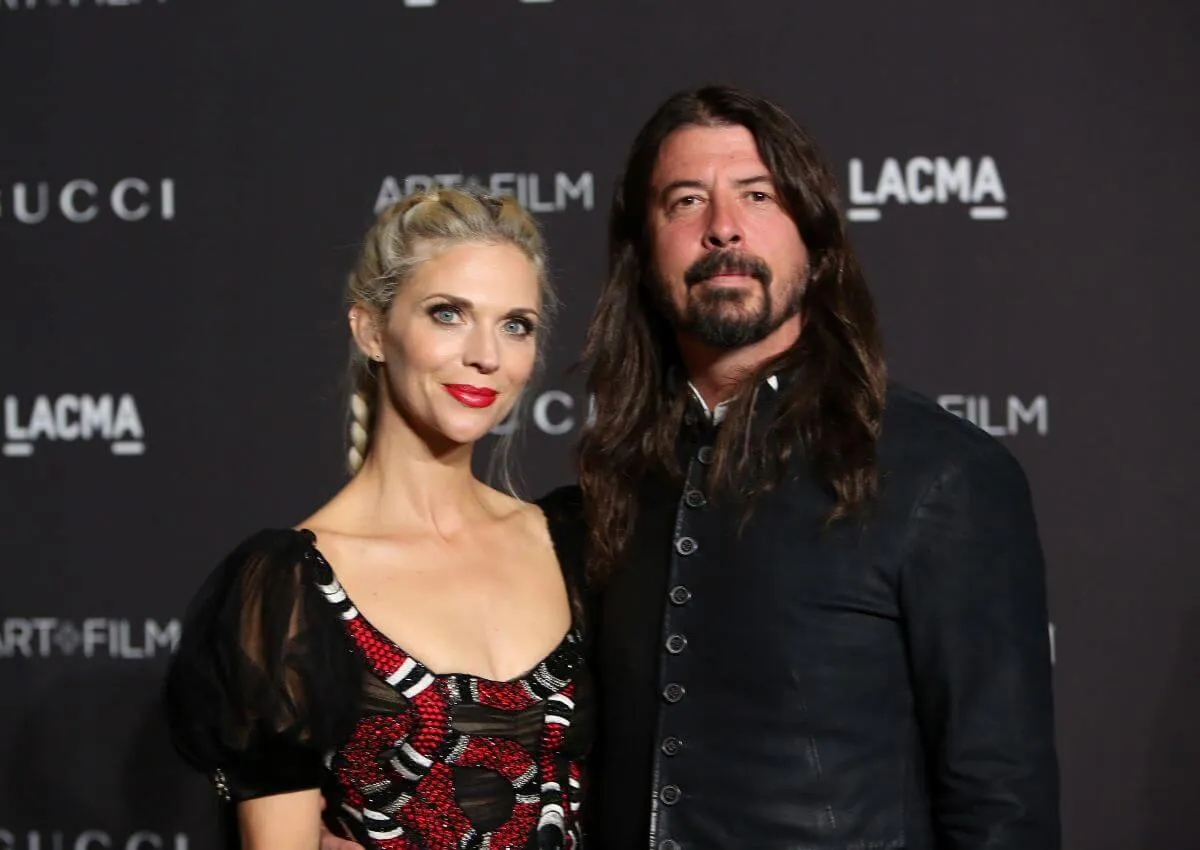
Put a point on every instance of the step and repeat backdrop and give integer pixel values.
(183, 185)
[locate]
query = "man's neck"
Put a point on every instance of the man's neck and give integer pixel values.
(717, 373)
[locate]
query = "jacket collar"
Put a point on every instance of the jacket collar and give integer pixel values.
(717, 413)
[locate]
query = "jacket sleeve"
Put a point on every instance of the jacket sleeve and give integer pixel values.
(263, 682)
(974, 605)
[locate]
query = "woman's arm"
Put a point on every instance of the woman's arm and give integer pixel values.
(281, 821)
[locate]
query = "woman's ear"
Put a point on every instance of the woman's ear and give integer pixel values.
(366, 330)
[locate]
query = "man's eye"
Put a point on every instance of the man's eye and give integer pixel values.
(686, 201)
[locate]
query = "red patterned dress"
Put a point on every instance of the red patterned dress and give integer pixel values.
(281, 684)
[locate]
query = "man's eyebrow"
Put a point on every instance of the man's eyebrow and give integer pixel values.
(681, 184)
(750, 181)
(700, 184)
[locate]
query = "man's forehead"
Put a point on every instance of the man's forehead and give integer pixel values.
(702, 153)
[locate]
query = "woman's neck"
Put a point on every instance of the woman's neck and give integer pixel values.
(408, 481)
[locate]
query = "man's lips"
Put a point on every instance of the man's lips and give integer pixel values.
(729, 278)
(472, 396)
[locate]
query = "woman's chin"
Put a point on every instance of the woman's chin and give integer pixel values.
(465, 430)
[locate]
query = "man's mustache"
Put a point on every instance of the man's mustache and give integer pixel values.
(727, 262)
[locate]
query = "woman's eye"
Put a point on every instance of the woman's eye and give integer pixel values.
(759, 197)
(445, 314)
(518, 327)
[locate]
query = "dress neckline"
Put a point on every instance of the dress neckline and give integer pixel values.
(569, 639)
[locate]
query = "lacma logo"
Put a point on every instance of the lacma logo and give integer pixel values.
(1011, 414)
(927, 180)
(73, 417)
(95, 637)
(80, 201)
(538, 193)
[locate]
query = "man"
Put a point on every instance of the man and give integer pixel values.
(823, 622)
(821, 619)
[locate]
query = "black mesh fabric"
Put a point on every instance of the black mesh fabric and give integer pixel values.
(265, 681)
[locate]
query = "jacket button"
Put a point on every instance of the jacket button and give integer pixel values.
(694, 499)
(689, 418)
(686, 546)
(671, 746)
(674, 692)
(669, 844)
(680, 595)
(705, 455)
(670, 795)
(676, 644)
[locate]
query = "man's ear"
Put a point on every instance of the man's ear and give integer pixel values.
(366, 331)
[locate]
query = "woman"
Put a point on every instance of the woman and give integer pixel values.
(411, 652)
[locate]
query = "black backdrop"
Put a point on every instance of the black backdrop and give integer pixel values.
(182, 186)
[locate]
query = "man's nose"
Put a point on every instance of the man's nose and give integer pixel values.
(724, 229)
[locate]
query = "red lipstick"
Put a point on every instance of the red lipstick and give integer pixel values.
(472, 396)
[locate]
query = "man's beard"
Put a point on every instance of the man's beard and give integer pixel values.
(722, 317)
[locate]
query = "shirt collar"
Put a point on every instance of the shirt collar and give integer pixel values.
(717, 413)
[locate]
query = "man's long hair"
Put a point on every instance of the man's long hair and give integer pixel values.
(833, 379)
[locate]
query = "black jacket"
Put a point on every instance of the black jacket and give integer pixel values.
(860, 688)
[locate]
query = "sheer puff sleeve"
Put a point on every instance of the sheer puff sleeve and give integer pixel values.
(265, 678)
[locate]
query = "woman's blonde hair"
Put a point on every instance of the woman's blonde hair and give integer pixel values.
(404, 235)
